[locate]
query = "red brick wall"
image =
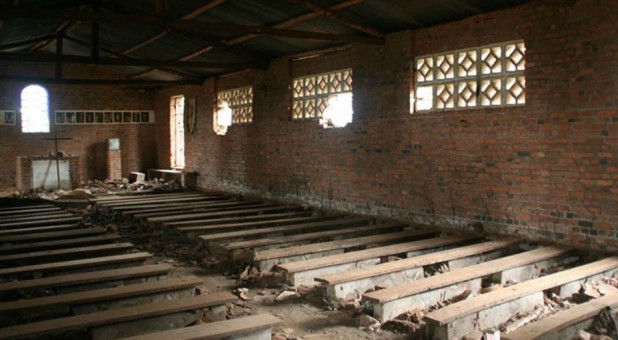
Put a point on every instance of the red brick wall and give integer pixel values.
(88, 141)
(114, 164)
(548, 169)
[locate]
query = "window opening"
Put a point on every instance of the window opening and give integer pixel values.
(34, 109)
(177, 131)
(234, 106)
(325, 96)
(491, 75)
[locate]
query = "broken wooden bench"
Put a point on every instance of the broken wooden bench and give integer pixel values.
(266, 259)
(254, 327)
(142, 199)
(62, 305)
(304, 272)
(390, 302)
(68, 283)
(123, 322)
(169, 207)
(43, 222)
(493, 308)
(566, 323)
(30, 230)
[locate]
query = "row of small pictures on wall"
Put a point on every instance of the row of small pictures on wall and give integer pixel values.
(104, 117)
(8, 117)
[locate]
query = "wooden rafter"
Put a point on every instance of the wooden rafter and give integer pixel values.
(332, 14)
(73, 59)
(178, 25)
(246, 37)
(118, 55)
(97, 82)
(26, 42)
(196, 12)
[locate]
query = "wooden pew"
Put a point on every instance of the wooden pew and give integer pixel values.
(145, 200)
(44, 222)
(254, 327)
(47, 255)
(171, 206)
(390, 302)
(29, 212)
(236, 219)
(241, 212)
(490, 309)
(304, 272)
(82, 264)
(51, 235)
(266, 259)
(194, 210)
(115, 317)
(37, 246)
(30, 230)
(83, 279)
(107, 298)
(212, 228)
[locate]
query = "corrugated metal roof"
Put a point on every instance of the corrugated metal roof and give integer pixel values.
(385, 16)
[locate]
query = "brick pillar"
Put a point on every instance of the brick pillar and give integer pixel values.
(114, 164)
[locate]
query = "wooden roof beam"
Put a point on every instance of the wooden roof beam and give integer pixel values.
(338, 17)
(73, 59)
(178, 25)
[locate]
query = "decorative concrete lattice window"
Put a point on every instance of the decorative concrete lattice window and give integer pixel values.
(491, 75)
(325, 96)
(234, 106)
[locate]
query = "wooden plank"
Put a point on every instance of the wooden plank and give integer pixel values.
(344, 231)
(108, 317)
(40, 222)
(457, 275)
(204, 229)
(27, 218)
(26, 206)
(19, 258)
(38, 229)
(154, 199)
(288, 228)
(224, 220)
(87, 277)
(339, 244)
(193, 210)
(359, 255)
(83, 263)
(563, 319)
(452, 312)
(196, 201)
(135, 197)
(51, 235)
(96, 295)
(215, 330)
(168, 203)
(35, 246)
(223, 213)
(31, 212)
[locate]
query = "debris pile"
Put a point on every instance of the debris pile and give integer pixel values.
(116, 186)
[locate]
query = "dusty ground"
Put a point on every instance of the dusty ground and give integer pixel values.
(307, 317)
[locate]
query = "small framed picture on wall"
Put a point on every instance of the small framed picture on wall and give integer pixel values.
(7, 117)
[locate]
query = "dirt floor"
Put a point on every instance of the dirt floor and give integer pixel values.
(305, 317)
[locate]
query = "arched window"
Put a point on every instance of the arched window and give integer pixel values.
(34, 109)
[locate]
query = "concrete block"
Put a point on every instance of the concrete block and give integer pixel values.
(149, 325)
(267, 265)
(341, 290)
(306, 277)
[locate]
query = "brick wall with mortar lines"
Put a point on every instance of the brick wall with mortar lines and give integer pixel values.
(548, 169)
(88, 141)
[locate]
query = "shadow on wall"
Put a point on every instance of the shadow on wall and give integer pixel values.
(96, 161)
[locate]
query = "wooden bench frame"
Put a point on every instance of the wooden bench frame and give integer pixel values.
(115, 316)
(37, 246)
(104, 248)
(225, 220)
(266, 259)
(461, 318)
(390, 302)
(254, 327)
(178, 218)
(304, 272)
